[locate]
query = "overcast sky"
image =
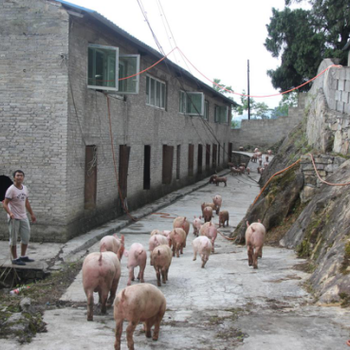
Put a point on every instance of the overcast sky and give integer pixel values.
(218, 37)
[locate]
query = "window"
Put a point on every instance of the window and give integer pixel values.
(221, 114)
(191, 103)
(106, 66)
(155, 92)
(206, 110)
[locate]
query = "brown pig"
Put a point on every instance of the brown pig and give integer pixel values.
(221, 179)
(202, 245)
(137, 256)
(161, 257)
(138, 303)
(177, 241)
(207, 214)
(209, 230)
(101, 273)
(204, 204)
(254, 238)
(155, 241)
(223, 217)
(113, 244)
(181, 222)
(217, 200)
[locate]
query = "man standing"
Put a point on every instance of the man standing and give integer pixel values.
(16, 204)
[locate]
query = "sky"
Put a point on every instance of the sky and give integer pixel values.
(216, 38)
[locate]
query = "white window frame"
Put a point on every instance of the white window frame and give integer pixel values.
(185, 102)
(221, 114)
(155, 92)
(134, 80)
(115, 77)
(206, 110)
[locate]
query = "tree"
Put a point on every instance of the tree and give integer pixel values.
(222, 88)
(257, 109)
(303, 38)
(288, 100)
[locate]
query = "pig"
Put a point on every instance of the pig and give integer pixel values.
(242, 169)
(161, 257)
(269, 152)
(254, 158)
(217, 200)
(156, 232)
(209, 230)
(223, 217)
(248, 171)
(267, 159)
(212, 179)
(138, 303)
(137, 256)
(113, 244)
(235, 171)
(204, 204)
(256, 150)
(241, 148)
(207, 213)
(101, 273)
(181, 222)
(177, 241)
(254, 238)
(197, 223)
(155, 241)
(221, 179)
(202, 245)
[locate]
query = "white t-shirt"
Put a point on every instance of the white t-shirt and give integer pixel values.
(17, 201)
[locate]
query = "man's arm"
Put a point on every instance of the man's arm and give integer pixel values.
(30, 211)
(6, 207)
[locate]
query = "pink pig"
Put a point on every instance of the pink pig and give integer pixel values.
(217, 200)
(197, 223)
(181, 222)
(202, 245)
(113, 244)
(138, 303)
(101, 273)
(207, 213)
(254, 238)
(209, 230)
(177, 239)
(137, 256)
(155, 241)
(161, 257)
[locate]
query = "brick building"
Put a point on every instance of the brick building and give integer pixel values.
(90, 143)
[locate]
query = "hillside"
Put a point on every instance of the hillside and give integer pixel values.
(302, 213)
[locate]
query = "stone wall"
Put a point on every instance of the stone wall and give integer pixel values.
(328, 106)
(263, 133)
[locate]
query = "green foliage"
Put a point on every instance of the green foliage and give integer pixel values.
(257, 109)
(303, 38)
(223, 89)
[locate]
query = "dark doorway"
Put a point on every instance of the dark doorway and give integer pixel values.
(168, 154)
(230, 152)
(190, 159)
(178, 161)
(200, 159)
(219, 160)
(124, 153)
(147, 168)
(215, 152)
(207, 157)
(5, 183)
(90, 177)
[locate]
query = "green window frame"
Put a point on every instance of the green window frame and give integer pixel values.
(221, 114)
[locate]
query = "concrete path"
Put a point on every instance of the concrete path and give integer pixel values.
(226, 305)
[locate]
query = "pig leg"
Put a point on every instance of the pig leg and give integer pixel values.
(260, 252)
(113, 292)
(141, 273)
(194, 255)
(151, 262)
(158, 277)
(147, 328)
(255, 258)
(90, 305)
(103, 297)
(118, 333)
(250, 255)
(204, 260)
(129, 334)
(164, 275)
(178, 248)
(131, 275)
(158, 319)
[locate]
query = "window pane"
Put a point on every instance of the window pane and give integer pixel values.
(158, 94)
(195, 103)
(152, 92)
(102, 66)
(128, 66)
(147, 90)
(162, 102)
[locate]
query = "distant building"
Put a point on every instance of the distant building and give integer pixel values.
(93, 146)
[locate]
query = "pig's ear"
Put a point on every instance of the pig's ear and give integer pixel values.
(200, 217)
(247, 223)
(115, 235)
(122, 238)
(259, 220)
(126, 253)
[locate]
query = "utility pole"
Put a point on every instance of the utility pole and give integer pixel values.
(248, 92)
